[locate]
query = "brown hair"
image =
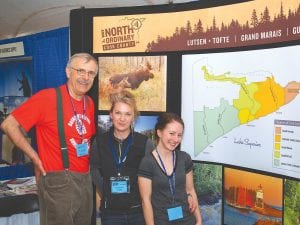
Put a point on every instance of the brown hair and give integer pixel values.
(164, 119)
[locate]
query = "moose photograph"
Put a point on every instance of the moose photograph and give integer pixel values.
(144, 76)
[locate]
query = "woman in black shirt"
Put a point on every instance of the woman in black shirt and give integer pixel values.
(115, 160)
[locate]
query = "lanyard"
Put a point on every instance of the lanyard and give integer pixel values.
(119, 160)
(79, 122)
(172, 185)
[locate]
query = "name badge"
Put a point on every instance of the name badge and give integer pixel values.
(175, 213)
(82, 149)
(120, 185)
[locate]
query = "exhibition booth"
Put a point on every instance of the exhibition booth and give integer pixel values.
(231, 72)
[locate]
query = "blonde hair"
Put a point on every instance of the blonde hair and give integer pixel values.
(124, 97)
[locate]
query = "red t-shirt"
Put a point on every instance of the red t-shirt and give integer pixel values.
(41, 111)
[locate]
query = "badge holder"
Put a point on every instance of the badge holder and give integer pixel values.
(175, 213)
(82, 149)
(120, 185)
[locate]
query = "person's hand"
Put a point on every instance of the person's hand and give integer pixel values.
(38, 168)
(192, 203)
(98, 199)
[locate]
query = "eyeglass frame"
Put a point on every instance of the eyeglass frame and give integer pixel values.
(83, 72)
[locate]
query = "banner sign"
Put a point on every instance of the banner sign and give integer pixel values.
(252, 23)
(12, 49)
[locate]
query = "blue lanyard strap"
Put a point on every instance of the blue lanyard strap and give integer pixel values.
(119, 160)
(172, 185)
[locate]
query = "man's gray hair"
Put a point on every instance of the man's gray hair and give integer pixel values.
(86, 56)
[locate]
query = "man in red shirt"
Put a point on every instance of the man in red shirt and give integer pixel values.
(65, 188)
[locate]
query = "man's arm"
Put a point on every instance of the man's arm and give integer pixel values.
(13, 130)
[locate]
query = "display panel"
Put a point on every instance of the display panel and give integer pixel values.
(15, 88)
(255, 23)
(241, 108)
(251, 198)
(180, 30)
(291, 202)
(144, 76)
(208, 184)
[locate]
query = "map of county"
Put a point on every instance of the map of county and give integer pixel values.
(255, 100)
(242, 108)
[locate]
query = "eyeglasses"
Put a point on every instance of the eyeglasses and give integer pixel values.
(82, 72)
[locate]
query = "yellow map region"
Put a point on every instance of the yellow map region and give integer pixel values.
(255, 99)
